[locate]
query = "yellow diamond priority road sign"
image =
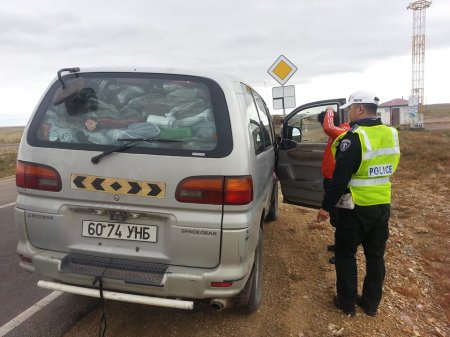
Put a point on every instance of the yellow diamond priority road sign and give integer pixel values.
(282, 70)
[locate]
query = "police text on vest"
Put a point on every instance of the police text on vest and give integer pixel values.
(380, 170)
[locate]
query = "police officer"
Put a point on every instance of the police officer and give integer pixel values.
(366, 156)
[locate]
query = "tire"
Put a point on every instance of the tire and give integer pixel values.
(250, 297)
(272, 215)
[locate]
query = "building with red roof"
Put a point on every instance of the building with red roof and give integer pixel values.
(394, 112)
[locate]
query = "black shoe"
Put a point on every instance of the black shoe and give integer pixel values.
(338, 305)
(330, 248)
(332, 260)
(360, 302)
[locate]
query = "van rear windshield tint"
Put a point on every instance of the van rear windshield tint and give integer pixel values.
(97, 111)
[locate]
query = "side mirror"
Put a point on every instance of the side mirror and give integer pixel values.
(294, 133)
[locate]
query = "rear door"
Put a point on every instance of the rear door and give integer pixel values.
(126, 205)
(301, 151)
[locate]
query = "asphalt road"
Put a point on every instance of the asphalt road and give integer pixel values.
(18, 289)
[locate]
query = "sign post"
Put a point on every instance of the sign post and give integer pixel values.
(282, 70)
(283, 97)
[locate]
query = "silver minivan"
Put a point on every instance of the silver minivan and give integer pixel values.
(152, 185)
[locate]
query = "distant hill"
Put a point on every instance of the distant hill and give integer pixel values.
(277, 121)
(436, 116)
(10, 134)
(436, 110)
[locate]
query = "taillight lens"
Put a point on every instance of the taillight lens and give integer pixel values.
(238, 190)
(37, 177)
(216, 190)
(201, 190)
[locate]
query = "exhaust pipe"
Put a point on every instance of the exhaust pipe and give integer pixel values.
(219, 304)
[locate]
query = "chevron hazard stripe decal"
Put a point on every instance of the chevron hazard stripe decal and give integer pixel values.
(118, 186)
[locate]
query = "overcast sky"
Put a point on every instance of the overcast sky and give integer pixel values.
(338, 46)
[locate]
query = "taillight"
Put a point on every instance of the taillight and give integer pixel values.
(37, 177)
(238, 190)
(216, 190)
(201, 190)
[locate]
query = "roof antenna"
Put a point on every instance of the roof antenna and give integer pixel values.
(70, 70)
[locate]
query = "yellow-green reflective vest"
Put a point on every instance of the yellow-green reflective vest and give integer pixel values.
(380, 154)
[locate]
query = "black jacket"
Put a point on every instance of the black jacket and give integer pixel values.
(348, 160)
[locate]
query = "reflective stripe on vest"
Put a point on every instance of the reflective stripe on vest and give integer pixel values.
(372, 154)
(368, 182)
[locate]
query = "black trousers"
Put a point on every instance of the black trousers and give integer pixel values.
(368, 226)
(333, 212)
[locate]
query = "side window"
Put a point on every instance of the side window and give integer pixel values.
(265, 120)
(312, 131)
(304, 127)
(254, 125)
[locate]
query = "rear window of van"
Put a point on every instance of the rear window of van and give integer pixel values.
(175, 114)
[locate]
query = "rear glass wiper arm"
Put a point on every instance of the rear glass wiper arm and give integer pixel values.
(130, 143)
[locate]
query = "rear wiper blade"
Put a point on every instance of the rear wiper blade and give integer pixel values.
(130, 143)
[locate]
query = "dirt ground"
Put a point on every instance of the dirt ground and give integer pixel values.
(299, 282)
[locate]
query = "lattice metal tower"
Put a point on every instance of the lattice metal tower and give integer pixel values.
(418, 48)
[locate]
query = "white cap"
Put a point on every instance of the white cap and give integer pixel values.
(361, 97)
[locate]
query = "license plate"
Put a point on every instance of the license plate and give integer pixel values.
(119, 231)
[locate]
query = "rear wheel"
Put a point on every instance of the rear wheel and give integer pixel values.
(250, 297)
(272, 215)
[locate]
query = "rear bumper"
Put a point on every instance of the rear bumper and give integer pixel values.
(161, 302)
(236, 261)
(179, 282)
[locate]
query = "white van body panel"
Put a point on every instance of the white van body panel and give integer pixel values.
(196, 243)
